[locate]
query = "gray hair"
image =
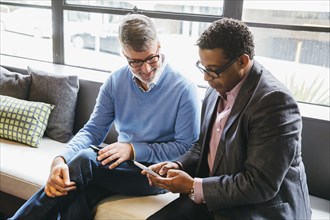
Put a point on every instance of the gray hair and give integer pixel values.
(137, 32)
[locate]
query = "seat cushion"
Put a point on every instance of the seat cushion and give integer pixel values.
(131, 207)
(320, 208)
(23, 169)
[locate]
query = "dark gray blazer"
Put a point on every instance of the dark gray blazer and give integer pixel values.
(258, 171)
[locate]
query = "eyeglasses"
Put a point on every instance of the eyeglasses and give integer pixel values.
(215, 73)
(139, 63)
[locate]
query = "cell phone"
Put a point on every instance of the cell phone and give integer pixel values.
(95, 148)
(145, 168)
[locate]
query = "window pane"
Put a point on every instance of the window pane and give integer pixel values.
(26, 32)
(299, 59)
(196, 7)
(310, 13)
(91, 41)
(32, 2)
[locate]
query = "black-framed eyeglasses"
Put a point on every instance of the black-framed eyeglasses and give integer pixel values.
(217, 72)
(139, 63)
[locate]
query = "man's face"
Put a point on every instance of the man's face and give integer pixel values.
(213, 60)
(144, 65)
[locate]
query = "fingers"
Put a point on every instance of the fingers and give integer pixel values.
(58, 183)
(173, 173)
(53, 191)
(159, 181)
(160, 168)
(163, 170)
(49, 192)
(175, 181)
(116, 163)
(115, 153)
(110, 158)
(106, 153)
(163, 167)
(66, 176)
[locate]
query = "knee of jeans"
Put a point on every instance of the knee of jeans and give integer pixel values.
(84, 156)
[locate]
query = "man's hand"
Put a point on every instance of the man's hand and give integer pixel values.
(116, 152)
(176, 181)
(162, 168)
(58, 183)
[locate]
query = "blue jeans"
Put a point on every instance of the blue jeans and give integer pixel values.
(94, 182)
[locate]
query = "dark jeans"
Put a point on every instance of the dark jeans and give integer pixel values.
(94, 182)
(183, 208)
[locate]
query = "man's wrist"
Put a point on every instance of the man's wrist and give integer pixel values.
(192, 192)
(133, 156)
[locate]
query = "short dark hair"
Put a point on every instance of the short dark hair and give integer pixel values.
(231, 35)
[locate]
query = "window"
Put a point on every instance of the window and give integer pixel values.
(26, 32)
(195, 7)
(292, 37)
(293, 12)
(299, 58)
(94, 35)
(96, 42)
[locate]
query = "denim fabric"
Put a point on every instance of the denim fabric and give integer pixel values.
(94, 182)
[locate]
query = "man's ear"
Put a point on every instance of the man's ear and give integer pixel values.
(244, 60)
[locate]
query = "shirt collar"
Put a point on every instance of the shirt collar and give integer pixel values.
(154, 82)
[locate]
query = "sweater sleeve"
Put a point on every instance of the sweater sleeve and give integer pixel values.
(97, 127)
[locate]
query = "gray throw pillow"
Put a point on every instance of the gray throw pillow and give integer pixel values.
(14, 84)
(58, 90)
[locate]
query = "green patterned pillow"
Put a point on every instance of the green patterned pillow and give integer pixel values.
(23, 121)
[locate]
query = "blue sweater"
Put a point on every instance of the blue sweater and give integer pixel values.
(162, 124)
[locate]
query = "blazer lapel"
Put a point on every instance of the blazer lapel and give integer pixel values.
(241, 101)
(209, 117)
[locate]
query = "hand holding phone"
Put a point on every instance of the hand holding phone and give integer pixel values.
(145, 168)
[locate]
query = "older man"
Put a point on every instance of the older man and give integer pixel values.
(156, 113)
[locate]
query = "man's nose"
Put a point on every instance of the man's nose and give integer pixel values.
(146, 67)
(207, 77)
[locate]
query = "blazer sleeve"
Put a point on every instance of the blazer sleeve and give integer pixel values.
(271, 145)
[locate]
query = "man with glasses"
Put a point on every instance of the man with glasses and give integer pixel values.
(156, 113)
(247, 163)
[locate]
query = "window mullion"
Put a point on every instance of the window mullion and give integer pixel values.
(58, 38)
(233, 9)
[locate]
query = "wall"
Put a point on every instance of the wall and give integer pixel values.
(316, 156)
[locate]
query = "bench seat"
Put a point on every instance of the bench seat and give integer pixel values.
(24, 170)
